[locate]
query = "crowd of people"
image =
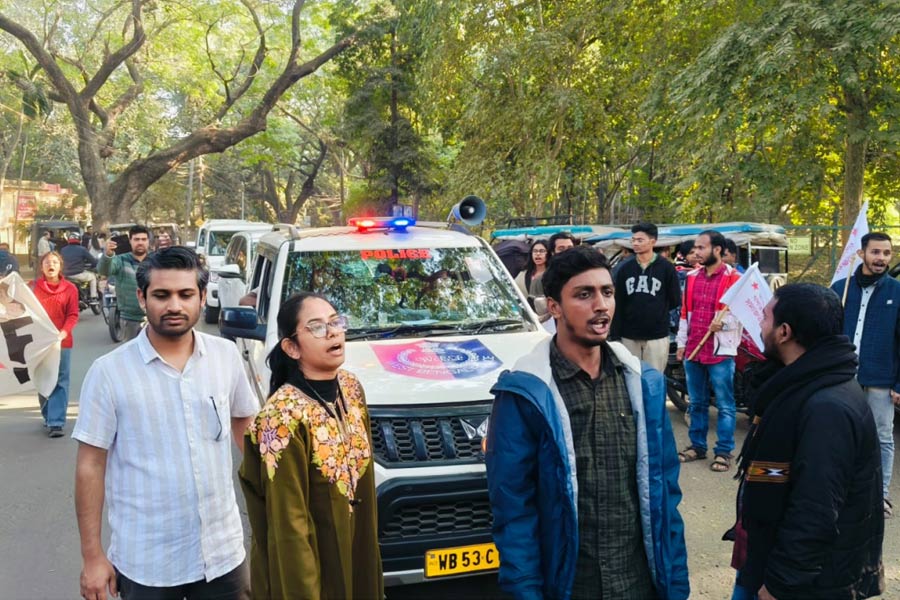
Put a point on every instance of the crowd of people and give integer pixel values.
(581, 460)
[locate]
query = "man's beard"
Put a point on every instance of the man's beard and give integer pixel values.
(710, 260)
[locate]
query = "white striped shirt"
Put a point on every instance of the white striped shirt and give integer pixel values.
(169, 481)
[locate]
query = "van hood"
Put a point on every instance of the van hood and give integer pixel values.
(437, 370)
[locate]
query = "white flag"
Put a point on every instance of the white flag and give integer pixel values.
(29, 344)
(746, 300)
(854, 243)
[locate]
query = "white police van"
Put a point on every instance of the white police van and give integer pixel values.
(434, 319)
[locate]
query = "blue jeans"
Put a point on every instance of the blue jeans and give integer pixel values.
(54, 409)
(699, 379)
(883, 411)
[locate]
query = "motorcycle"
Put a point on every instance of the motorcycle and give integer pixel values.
(110, 310)
(84, 298)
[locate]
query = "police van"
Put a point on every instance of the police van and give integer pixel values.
(434, 318)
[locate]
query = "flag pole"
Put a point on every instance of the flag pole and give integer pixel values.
(717, 320)
(847, 281)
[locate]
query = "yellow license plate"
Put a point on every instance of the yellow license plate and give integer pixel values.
(464, 559)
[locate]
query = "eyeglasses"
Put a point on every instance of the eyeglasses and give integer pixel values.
(319, 329)
(539, 252)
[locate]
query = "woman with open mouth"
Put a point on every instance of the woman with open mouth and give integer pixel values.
(59, 298)
(307, 473)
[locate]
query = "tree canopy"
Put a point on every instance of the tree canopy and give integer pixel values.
(781, 111)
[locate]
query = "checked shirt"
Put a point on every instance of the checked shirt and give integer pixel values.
(612, 563)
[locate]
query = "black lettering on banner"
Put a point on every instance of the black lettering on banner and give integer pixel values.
(15, 345)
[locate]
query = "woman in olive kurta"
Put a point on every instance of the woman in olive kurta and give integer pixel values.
(307, 472)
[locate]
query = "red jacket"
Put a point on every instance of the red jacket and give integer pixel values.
(61, 303)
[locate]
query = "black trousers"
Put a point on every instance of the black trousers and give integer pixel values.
(234, 585)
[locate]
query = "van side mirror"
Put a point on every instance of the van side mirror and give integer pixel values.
(241, 322)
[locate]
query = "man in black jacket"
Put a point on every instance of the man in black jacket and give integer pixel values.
(76, 262)
(647, 289)
(810, 494)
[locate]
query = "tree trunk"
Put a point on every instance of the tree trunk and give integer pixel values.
(855, 145)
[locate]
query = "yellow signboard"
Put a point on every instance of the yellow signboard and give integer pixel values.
(800, 246)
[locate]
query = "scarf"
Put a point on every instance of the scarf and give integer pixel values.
(766, 456)
(867, 280)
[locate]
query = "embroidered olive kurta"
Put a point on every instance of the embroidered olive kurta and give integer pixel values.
(311, 499)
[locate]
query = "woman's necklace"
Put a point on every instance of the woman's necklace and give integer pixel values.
(339, 414)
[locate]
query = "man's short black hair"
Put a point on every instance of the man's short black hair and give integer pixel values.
(649, 228)
(137, 230)
(566, 265)
(562, 235)
(176, 257)
(813, 312)
(875, 236)
(731, 246)
(715, 239)
(684, 248)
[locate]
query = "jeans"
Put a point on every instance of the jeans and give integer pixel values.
(699, 378)
(883, 411)
(55, 406)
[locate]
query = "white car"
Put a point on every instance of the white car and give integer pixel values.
(212, 240)
(434, 318)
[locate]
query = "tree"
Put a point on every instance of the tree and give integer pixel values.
(797, 72)
(381, 116)
(97, 94)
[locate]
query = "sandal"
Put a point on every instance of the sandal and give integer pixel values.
(721, 463)
(690, 454)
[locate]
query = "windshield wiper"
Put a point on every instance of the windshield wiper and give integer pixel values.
(492, 325)
(436, 329)
(430, 329)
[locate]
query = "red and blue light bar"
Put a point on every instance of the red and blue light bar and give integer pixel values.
(364, 224)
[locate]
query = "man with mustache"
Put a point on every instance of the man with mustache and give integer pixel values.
(123, 268)
(581, 462)
(154, 425)
(872, 322)
(713, 362)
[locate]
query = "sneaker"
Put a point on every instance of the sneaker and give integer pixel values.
(56, 432)
(888, 509)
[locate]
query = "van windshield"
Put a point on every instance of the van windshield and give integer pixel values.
(218, 241)
(410, 291)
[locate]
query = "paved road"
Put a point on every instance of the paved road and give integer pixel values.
(39, 549)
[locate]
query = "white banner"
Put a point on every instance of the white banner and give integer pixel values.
(854, 243)
(747, 299)
(29, 346)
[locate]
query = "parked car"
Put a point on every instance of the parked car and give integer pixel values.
(212, 240)
(233, 277)
(434, 318)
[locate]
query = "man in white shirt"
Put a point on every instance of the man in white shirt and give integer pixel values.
(154, 425)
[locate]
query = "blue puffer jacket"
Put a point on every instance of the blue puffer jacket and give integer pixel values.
(533, 485)
(879, 351)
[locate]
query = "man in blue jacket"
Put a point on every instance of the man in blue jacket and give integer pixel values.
(872, 322)
(581, 461)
